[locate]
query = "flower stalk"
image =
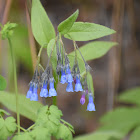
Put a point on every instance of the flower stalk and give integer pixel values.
(15, 84)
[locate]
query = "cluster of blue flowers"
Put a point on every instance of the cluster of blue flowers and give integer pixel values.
(45, 79)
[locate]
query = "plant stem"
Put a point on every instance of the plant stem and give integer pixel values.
(22, 128)
(32, 126)
(39, 54)
(15, 84)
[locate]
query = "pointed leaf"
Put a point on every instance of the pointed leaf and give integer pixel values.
(66, 25)
(95, 49)
(27, 108)
(42, 27)
(84, 31)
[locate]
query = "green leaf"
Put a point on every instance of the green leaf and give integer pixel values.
(48, 119)
(1, 123)
(23, 136)
(51, 46)
(3, 83)
(53, 119)
(41, 133)
(7, 127)
(101, 135)
(10, 123)
(94, 50)
(121, 120)
(8, 29)
(27, 108)
(71, 128)
(136, 134)
(66, 25)
(55, 111)
(130, 96)
(42, 27)
(64, 133)
(84, 31)
(2, 112)
(51, 127)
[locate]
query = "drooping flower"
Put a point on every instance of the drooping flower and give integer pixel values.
(82, 100)
(30, 91)
(44, 90)
(63, 76)
(34, 96)
(78, 86)
(91, 106)
(52, 91)
(69, 76)
(69, 87)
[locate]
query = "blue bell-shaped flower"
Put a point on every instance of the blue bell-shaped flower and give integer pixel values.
(91, 106)
(30, 92)
(69, 76)
(69, 87)
(44, 90)
(34, 96)
(63, 76)
(52, 91)
(78, 86)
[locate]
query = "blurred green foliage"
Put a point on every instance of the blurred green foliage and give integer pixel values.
(21, 46)
(2, 83)
(26, 107)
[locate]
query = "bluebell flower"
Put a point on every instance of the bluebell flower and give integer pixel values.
(34, 96)
(91, 106)
(30, 92)
(63, 76)
(69, 76)
(52, 91)
(44, 90)
(78, 86)
(82, 100)
(69, 87)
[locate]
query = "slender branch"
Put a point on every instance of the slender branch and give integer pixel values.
(15, 84)
(31, 127)
(21, 128)
(41, 67)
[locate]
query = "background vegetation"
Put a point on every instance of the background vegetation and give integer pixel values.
(115, 75)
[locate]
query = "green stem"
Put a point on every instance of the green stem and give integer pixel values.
(54, 99)
(22, 128)
(15, 84)
(41, 67)
(39, 54)
(32, 126)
